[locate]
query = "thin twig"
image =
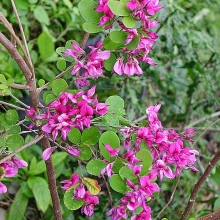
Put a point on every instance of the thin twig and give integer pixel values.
(216, 114)
(198, 185)
(17, 100)
(23, 36)
(34, 141)
(171, 198)
(84, 41)
(19, 86)
(13, 106)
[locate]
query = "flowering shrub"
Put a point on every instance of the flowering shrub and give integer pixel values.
(133, 156)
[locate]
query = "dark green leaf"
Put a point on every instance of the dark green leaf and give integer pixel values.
(110, 62)
(41, 15)
(74, 136)
(118, 36)
(90, 136)
(118, 184)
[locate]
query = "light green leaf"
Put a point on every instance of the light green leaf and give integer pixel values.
(14, 141)
(115, 105)
(45, 45)
(11, 117)
(86, 153)
(217, 203)
(3, 79)
(133, 44)
(118, 184)
(129, 22)
(111, 120)
(119, 8)
(108, 137)
(126, 173)
(90, 136)
(70, 202)
(61, 64)
(94, 167)
(110, 45)
(74, 136)
(58, 86)
(41, 82)
(86, 9)
(118, 36)
(19, 206)
(41, 15)
(39, 187)
(91, 27)
(58, 157)
(146, 158)
(110, 62)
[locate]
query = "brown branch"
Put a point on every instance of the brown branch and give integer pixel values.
(198, 185)
(52, 182)
(85, 39)
(19, 86)
(213, 216)
(11, 105)
(34, 141)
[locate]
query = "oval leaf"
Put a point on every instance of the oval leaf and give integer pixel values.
(58, 86)
(108, 137)
(92, 185)
(74, 136)
(95, 167)
(146, 158)
(90, 136)
(118, 184)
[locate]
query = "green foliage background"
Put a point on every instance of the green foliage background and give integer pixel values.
(186, 80)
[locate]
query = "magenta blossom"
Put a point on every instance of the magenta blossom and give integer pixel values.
(69, 183)
(73, 151)
(47, 153)
(113, 152)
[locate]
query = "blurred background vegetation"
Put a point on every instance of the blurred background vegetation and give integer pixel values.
(186, 80)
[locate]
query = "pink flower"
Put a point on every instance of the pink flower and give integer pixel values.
(69, 183)
(132, 67)
(119, 66)
(79, 192)
(3, 188)
(31, 113)
(47, 153)
(153, 7)
(90, 202)
(73, 151)
(113, 151)
(132, 5)
(108, 170)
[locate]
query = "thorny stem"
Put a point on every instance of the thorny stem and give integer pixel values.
(198, 185)
(34, 141)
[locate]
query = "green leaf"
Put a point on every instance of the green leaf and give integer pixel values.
(108, 137)
(61, 64)
(23, 5)
(3, 79)
(58, 86)
(60, 50)
(41, 15)
(58, 157)
(117, 165)
(91, 27)
(146, 158)
(10, 82)
(86, 153)
(110, 62)
(119, 8)
(118, 184)
(126, 173)
(217, 203)
(86, 9)
(41, 82)
(129, 22)
(90, 136)
(118, 36)
(70, 202)
(111, 120)
(110, 45)
(133, 44)
(115, 105)
(19, 206)
(2, 142)
(16, 129)
(74, 136)
(11, 117)
(41, 192)
(39, 168)
(15, 141)
(45, 45)
(94, 167)
(49, 98)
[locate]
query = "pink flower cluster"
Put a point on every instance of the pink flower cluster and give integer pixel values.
(167, 150)
(9, 169)
(79, 193)
(91, 63)
(70, 111)
(142, 11)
